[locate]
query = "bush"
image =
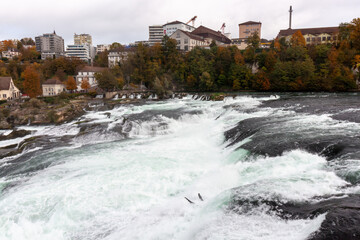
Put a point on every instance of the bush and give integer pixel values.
(36, 103)
(52, 116)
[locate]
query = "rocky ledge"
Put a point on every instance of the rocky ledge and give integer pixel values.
(37, 112)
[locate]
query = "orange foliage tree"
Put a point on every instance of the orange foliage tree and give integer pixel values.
(71, 84)
(297, 39)
(32, 82)
(85, 84)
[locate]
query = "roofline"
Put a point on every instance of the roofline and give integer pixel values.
(244, 23)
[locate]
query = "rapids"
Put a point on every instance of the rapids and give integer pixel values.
(267, 166)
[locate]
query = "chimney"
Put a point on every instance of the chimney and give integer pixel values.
(290, 11)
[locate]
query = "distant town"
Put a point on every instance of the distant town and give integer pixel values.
(186, 36)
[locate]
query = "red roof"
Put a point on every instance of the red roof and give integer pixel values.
(209, 33)
(192, 36)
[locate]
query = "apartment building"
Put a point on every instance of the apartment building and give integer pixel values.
(81, 39)
(156, 34)
(81, 51)
(50, 45)
(248, 28)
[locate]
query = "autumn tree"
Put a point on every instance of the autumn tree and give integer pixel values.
(32, 82)
(71, 84)
(85, 84)
(354, 28)
(297, 39)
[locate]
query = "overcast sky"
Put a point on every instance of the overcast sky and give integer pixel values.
(127, 21)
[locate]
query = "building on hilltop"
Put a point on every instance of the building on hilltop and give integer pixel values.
(88, 73)
(248, 28)
(82, 39)
(50, 45)
(156, 34)
(210, 35)
(186, 41)
(53, 87)
(8, 90)
(315, 36)
(201, 36)
(171, 27)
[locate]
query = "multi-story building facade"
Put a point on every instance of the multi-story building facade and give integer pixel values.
(313, 35)
(171, 27)
(247, 29)
(50, 45)
(79, 51)
(156, 34)
(81, 39)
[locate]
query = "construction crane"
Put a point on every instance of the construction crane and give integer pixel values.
(192, 20)
(222, 29)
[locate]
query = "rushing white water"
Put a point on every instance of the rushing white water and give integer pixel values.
(105, 186)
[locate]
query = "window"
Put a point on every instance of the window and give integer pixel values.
(319, 39)
(186, 48)
(308, 39)
(4, 95)
(178, 35)
(313, 39)
(324, 38)
(178, 42)
(186, 41)
(328, 38)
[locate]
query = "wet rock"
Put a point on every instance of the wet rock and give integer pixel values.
(15, 134)
(342, 220)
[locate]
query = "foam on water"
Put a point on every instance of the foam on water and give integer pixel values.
(134, 188)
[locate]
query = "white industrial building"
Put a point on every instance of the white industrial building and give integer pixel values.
(82, 52)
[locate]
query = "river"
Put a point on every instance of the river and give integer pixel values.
(267, 166)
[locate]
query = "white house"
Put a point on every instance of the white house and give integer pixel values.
(10, 53)
(53, 87)
(88, 73)
(8, 90)
(115, 56)
(186, 41)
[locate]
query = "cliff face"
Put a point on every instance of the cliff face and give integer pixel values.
(37, 112)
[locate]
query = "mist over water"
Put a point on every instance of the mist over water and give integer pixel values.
(266, 166)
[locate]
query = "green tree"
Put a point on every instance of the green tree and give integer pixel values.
(106, 80)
